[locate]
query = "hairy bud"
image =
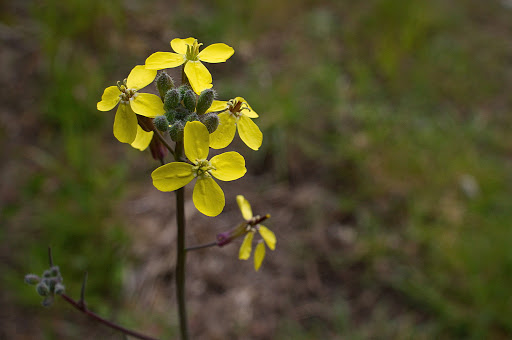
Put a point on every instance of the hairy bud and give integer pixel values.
(171, 100)
(48, 301)
(163, 83)
(182, 89)
(176, 131)
(42, 289)
(189, 100)
(210, 120)
(55, 271)
(180, 113)
(191, 117)
(47, 273)
(161, 123)
(59, 288)
(32, 279)
(204, 101)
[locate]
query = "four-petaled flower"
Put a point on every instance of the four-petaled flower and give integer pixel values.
(131, 102)
(187, 52)
(208, 197)
(267, 235)
(235, 113)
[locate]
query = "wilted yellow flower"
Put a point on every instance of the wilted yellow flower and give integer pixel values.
(131, 102)
(235, 113)
(187, 52)
(208, 197)
(267, 235)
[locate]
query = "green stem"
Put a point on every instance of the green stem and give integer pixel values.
(181, 252)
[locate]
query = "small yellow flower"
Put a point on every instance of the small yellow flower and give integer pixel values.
(235, 113)
(267, 235)
(131, 103)
(187, 52)
(208, 197)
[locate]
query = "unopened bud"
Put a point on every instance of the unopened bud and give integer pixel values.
(55, 271)
(48, 301)
(171, 99)
(59, 288)
(204, 101)
(180, 113)
(189, 100)
(32, 279)
(210, 120)
(176, 131)
(47, 273)
(192, 117)
(163, 83)
(182, 89)
(42, 289)
(161, 123)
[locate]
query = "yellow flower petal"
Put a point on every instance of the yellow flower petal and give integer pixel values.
(249, 113)
(259, 255)
(216, 53)
(218, 105)
(208, 197)
(147, 104)
(246, 247)
(249, 132)
(268, 236)
(225, 132)
(142, 139)
(244, 206)
(172, 176)
(109, 99)
(140, 77)
(228, 166)
(196, 139)
(180, 45)
(125, 124)
(198, 76)
(161, 60)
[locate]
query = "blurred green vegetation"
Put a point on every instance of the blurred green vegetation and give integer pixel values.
(402, 107)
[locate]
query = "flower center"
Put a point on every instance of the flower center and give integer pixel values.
(236, 107)
(126, 93)
(192, 51)
(202, 168)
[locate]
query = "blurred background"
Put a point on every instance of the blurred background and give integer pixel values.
(386, 166)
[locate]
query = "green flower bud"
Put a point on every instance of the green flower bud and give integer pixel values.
(171, 99)
(191, 117)
(204, 101)
(163, 83)
(176, 131)
(59, 288)
(51, 282)
(210, 120)
(170, 115)
(180, 113)
(55, 270)
(42, 289)
(161, 123)
(189, 100)
(48, 301)
(182, 89)
(47, 273)
(32, 279)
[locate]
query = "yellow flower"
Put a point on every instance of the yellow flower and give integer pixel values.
(235, 113)
(208, 197)
(131, 103)
(267, 235)
(187, 52)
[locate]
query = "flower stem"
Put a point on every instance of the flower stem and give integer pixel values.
(181, 252)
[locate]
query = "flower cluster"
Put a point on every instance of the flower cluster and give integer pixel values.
(191, 116)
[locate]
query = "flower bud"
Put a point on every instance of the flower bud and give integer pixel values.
(47, 273)
(210, 120)
(32, 279)
(171, 99)
(180, 113)
(161, 123)
(59, 288)
(191, 117)
(182, 89)
(48, 301)
(204, 101)
(176, 131)
(42, 289)
(189, 100)
(163, 83)
(55, 271)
